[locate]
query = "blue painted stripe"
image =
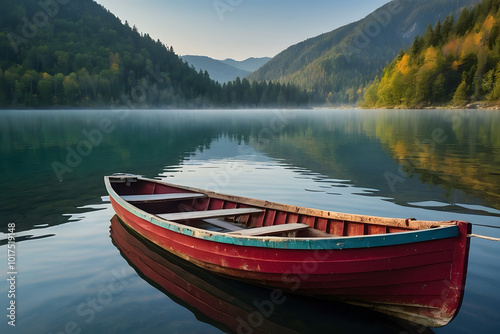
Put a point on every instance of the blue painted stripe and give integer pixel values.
(338, 243)
(335, 243)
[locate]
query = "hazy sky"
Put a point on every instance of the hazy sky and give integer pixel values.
(237, 29)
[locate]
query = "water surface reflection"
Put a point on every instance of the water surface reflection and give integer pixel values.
(328, 159)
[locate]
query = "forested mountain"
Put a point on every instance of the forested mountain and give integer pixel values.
(337, 65)
(453, 63)
(61, 53)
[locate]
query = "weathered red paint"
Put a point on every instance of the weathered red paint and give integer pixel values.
(236, 307)
(425, 279)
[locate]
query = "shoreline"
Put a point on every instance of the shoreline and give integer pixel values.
(471, 106)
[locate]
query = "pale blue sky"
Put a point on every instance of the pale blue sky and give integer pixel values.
(238, 29)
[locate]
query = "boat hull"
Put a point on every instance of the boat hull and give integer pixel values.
(235, 307)
(421, 281)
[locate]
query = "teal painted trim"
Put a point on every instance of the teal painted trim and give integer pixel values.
(337, 243)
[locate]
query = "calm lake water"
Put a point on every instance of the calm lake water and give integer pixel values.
(72, 276)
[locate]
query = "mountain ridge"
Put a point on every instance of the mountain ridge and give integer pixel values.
(337, 65)
(250, 64)
(225, 70)
(62, 53)
(452, 64)
(77, 54)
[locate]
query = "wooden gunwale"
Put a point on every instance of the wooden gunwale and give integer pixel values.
(407, 228)
(408, 223)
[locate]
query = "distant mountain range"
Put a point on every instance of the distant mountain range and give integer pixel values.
(339, 64)
(225, 70)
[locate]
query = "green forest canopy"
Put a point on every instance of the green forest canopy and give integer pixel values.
(454, 63)
(62, 53)
(338, 65)
(66, 53)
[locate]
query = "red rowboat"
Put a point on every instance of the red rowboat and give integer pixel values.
(410, 269)
(235, 307)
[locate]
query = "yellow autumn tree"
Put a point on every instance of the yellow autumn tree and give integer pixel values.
(489, 23)
(478, 39)
(403, 65)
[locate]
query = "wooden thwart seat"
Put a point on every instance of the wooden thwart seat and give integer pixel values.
(272, 230)
(157, 197)
(222, 224)
(162, 197)
(179, 216)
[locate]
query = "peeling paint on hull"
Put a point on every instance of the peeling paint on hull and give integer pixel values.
(417, 275)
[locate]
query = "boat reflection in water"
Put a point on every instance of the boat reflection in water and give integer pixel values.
(236, 307)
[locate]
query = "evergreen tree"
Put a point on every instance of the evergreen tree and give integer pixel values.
(464, 22)
(429, 39)
(417, 46)
(446, 28)
(460, 96)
